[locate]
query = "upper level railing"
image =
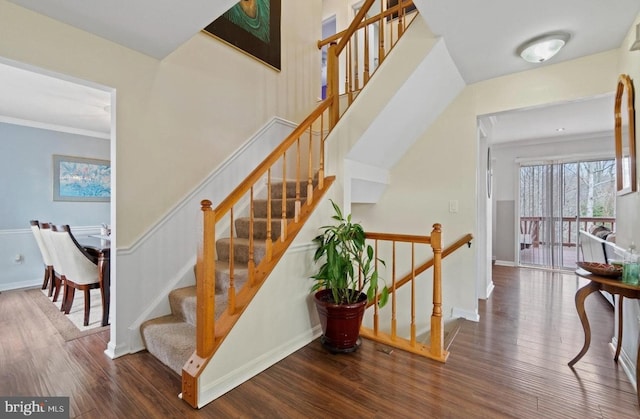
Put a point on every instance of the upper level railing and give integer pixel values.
(356, 53)
(405, 259)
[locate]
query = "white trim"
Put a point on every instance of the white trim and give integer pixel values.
(457, 313)
(626, 362)
(54, 127)
(222, 385)
(198, 189)
(505, 263)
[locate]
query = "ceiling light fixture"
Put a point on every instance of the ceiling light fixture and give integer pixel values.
(541, 48)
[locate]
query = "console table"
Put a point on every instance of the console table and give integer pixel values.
(613, 286)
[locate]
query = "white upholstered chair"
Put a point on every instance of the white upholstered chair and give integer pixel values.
(79, 269)
(46, 257)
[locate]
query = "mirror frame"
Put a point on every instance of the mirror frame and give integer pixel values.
(625, 109)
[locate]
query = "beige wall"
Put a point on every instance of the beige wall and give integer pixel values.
(441, 165)
(179, 118)
(628, 208)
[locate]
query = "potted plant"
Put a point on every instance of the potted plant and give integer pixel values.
(346, 280)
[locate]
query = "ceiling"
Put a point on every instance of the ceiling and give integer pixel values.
(482, 37)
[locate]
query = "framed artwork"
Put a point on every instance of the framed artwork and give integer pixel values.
(625, 136)
(252, 26)
(391, 3)
(81, 179)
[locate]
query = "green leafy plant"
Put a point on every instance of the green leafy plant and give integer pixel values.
(349, 265)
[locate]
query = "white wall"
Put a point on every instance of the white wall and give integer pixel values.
(26, 170)
(627, 206)
(177, 119)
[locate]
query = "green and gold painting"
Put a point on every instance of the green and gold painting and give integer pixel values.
(252, 26)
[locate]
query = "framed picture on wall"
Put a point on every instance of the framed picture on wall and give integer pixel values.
(253, 27)
(81, 179)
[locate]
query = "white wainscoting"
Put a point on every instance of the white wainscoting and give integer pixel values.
(21, 263)
(163, 258)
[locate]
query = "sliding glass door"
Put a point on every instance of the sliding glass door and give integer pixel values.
(557, 199)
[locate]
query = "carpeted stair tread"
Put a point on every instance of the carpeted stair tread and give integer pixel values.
(169, 339)
(259, 228)
(183, 304)
(260, 208)
(241, 249)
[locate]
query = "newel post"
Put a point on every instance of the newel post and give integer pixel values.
(437, 330)
(332, 84)
(206, 283)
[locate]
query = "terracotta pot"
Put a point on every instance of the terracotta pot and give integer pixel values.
(340, 322)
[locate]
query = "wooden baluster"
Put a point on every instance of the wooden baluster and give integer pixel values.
(376, 317)
(283, 217)
(381, 25)
(437, 331)
(232, 283)
(394, 321)
(310, 171)
(366, 57)
(321, 153)
(298, 180)
(269, 241)
(349, 77)
(356, 65)
(333, 81)
(251, 264)
(413, 294)
(400, 22)
(206, 284)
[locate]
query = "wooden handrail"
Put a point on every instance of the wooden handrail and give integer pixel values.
(366, 22)
(354, 25)
(271, 159)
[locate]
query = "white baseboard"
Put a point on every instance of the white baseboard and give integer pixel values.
(505, 263)
(626, 362)
(457, 313)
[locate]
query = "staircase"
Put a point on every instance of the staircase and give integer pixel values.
(172, 338)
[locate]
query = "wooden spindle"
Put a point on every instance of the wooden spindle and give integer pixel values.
(269, 241)
(298, 180)
(394, 321)
(232, 284)
(366, 57)
(413, 294)
(251, 264)
(310, 169)
(349, 78)
(283, 216)
(333, 81)
(321, 154)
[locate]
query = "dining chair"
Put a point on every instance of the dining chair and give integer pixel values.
(79, 269)
(57, 285)
(46, 257)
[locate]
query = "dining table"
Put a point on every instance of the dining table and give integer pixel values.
(101, 246)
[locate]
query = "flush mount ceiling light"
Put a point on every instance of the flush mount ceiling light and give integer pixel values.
(541, 48)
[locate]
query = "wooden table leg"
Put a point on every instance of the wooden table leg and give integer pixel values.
(104, 274)
(581, 296)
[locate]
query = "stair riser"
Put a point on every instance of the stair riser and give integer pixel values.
(240, 251)
(259, 228)
(260, 208)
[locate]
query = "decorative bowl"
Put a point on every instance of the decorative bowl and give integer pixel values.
(602, 269)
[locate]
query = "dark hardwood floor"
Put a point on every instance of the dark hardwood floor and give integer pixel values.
(512, 364)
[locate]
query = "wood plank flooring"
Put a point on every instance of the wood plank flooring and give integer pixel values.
(512, 364)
